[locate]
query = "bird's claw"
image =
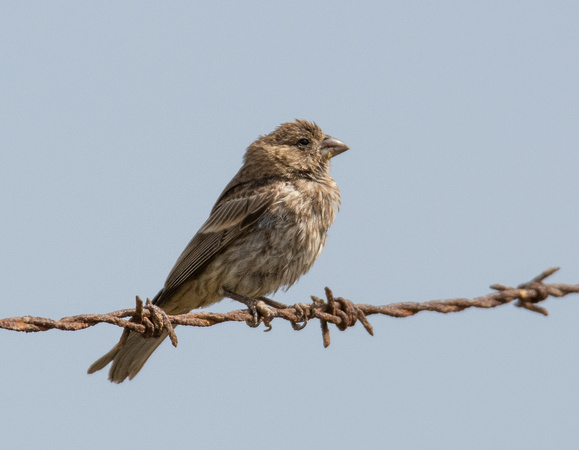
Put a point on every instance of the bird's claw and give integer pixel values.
(257, 309)
(302, 317)
(259, 313)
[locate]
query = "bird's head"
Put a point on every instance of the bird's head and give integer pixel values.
(293, 148)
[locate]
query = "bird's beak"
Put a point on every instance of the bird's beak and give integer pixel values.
(332, 147)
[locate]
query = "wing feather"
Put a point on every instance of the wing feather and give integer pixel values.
(229, 217)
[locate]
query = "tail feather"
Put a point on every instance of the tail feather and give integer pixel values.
(128, 360)
(104, 360)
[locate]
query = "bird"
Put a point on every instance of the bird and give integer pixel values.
(264, 232)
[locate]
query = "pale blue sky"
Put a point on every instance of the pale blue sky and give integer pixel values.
(120, 123)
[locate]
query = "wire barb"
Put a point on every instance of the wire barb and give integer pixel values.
(152, 321)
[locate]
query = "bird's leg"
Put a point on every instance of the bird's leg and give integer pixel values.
(273, 303)
(253, 305)
(247, 301)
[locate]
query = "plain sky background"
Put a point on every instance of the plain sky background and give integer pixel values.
(121, 122)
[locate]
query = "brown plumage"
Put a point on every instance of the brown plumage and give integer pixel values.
(266, 229)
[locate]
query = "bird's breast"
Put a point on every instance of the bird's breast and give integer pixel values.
(296, 227)
(284, 243)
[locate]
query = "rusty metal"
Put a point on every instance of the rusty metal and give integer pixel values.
(152, 321)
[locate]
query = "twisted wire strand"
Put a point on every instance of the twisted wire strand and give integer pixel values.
(152, 321)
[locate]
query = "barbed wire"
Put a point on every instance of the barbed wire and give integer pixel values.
(151, 321)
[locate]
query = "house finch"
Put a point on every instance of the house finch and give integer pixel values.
(266, 229)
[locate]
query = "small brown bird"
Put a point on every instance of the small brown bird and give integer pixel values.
(266, 229)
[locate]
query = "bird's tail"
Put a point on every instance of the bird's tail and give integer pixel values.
(128, 360)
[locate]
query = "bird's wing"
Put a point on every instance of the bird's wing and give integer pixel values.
(229, 217)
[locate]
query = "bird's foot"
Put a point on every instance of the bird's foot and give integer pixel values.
(258, 308)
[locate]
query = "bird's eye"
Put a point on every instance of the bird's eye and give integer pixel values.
(304, 141)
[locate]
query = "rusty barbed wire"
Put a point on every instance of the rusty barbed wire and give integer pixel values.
(152, 321)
